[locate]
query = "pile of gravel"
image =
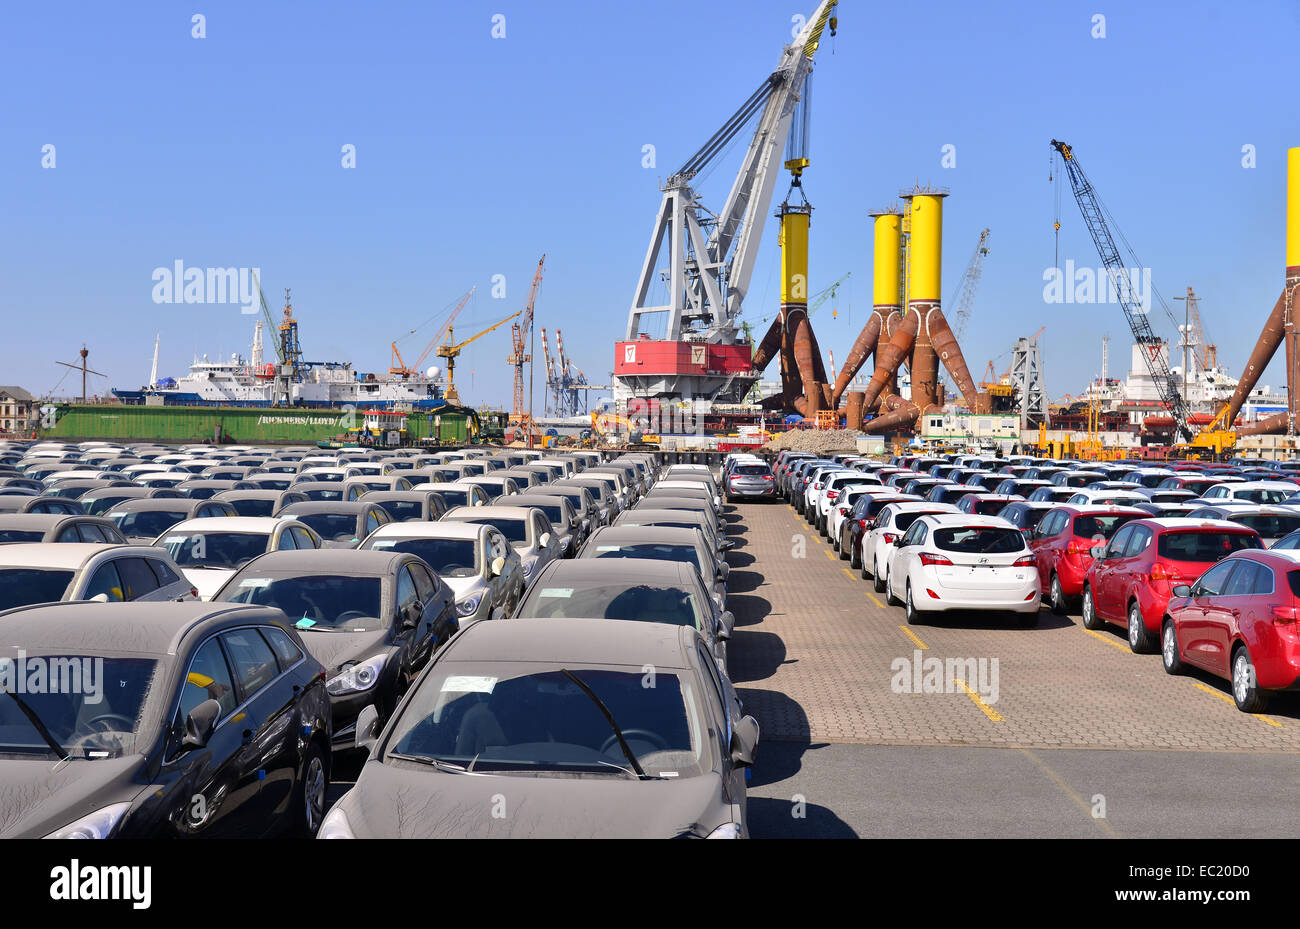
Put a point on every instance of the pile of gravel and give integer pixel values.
(819, 441)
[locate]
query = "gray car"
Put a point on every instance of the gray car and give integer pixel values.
(567, 700)
(663, 543)
(42, 573)
(340, 525)
(648, 514)
(143, 521)
(40, 527)
(527, 530)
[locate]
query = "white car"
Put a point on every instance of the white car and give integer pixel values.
(963, 562)
(1087, 497)
(890, 525)
(832, 488)
(1267, 492)
(816, 483)
(843, 505)
(211, 549)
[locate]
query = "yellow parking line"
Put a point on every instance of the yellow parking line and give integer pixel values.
(1065, 789)
(830, 554)
(848, 573)
(1214, 693)
(1109, 640)
(977, 700)
(874, 599)
(912, 635)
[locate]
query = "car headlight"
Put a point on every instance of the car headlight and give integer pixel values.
(335, 825)
(98, 825)
(358, 677)
(725, 831)
(468, 606)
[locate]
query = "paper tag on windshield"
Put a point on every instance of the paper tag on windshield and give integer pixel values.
(255, 582)
(384, 543)
(556, 592)
(468, 684)
(114, 515)
(305, 623)
(609, 548)
(174, 539)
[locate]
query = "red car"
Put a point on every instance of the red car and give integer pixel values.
(1239, 621)
(1132, 577)
(1062, 545)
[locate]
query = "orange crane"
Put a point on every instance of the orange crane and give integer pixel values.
(400, 367)
(521, 414)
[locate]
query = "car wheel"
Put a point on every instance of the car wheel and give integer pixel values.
(876, 581)
(313, 786)
(1139, 639)
(1090, 618)
(1059, 606)
(1245, 689)
(839, 547)
(1169, 657)
(889, 592)
(909, 607)
(855, 560)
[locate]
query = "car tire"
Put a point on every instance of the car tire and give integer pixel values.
(1140, 641)
(855, 560)
(1089, 610)
(839, 547)
(889, 593)
(1246, 692)
(876, 581)
(310, 793)
(1057, 597)
(909, 608)
(1169, 651)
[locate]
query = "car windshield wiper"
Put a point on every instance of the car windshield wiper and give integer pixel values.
(431, 761)
(39, 726)
(609, 717)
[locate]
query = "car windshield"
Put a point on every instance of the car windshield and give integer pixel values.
(448, 557)
(1203, 545)
(1092, 527)
(147, 524)
(326, 494)
(651, 603)
(1269, 525)
(78, 709)
(336, 527)
(21, 535)
(455, 497)
(1262, 495)
(515, 530)
(403, 510)
(215, 549)
(329, 602)
(529, 720)
(979, 540)
(25, 586)
(987, 507)
(253, 507)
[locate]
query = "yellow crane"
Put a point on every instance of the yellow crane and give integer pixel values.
(450, 351)
(401, 368)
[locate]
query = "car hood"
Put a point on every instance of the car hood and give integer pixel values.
(36, 797)
(207, 581)
(463, 586)
(334, 649)
(421, 803)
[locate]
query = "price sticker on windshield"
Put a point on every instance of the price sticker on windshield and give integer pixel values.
(468, 684)
(255, 582)
(562, 592)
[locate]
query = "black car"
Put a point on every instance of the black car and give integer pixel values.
(186, 720)
(372, 618)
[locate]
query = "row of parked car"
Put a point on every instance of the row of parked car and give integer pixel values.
(1198, 561)
(391, 611)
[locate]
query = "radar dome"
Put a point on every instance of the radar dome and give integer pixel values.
(433, 372)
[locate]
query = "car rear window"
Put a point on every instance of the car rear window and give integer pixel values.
(24, 586)
(1201, 545)
(903, 520)
(1269, 525)
(753, 470)
(20, 535)
(988, 507)
(1090, 527)
(979, 540)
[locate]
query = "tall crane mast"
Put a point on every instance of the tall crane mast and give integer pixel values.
(401, 368)
(552, 382)
(970, 283)
(1143, 334)
(520, 355)
(710, 257)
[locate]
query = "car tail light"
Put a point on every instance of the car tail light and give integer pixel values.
(194, 591)
(832, 494)
(928, 559)
(1025, 561)
(844, 511)
(889, 538)
(1285, 615)
(932, 594)
(1160, 571)
(767, 477)
(1079, 547)
(1032, 596)
(862, 524)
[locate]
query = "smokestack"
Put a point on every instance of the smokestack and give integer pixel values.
(887, 297)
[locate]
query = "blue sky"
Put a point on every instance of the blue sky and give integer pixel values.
(475, 155)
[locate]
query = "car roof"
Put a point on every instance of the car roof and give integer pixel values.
(150, 628)
(911, 506)
(38, 520)
(345, 562)
(966, 519)
(326, 506)
(580, 641)
(499, 511)
(231, 524)
(648, 534)
(66, 555)
(455, 529)
(1185, 522)
(144, 504)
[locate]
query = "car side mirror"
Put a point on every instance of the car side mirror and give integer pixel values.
(724, 570)
(498, 565)
(898, 542)
(99, 598)
(1182, 590)
(744, 742)
(727, 624)
(545, 540)
(201, 723)
(726, 545)
(1098, 551)
(411, 615)
(367, 731)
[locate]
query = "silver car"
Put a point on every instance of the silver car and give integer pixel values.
(527, 530)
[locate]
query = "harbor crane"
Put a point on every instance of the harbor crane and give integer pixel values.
(1094, 217)
(450, 351)
(399, 367)
(521, 414)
